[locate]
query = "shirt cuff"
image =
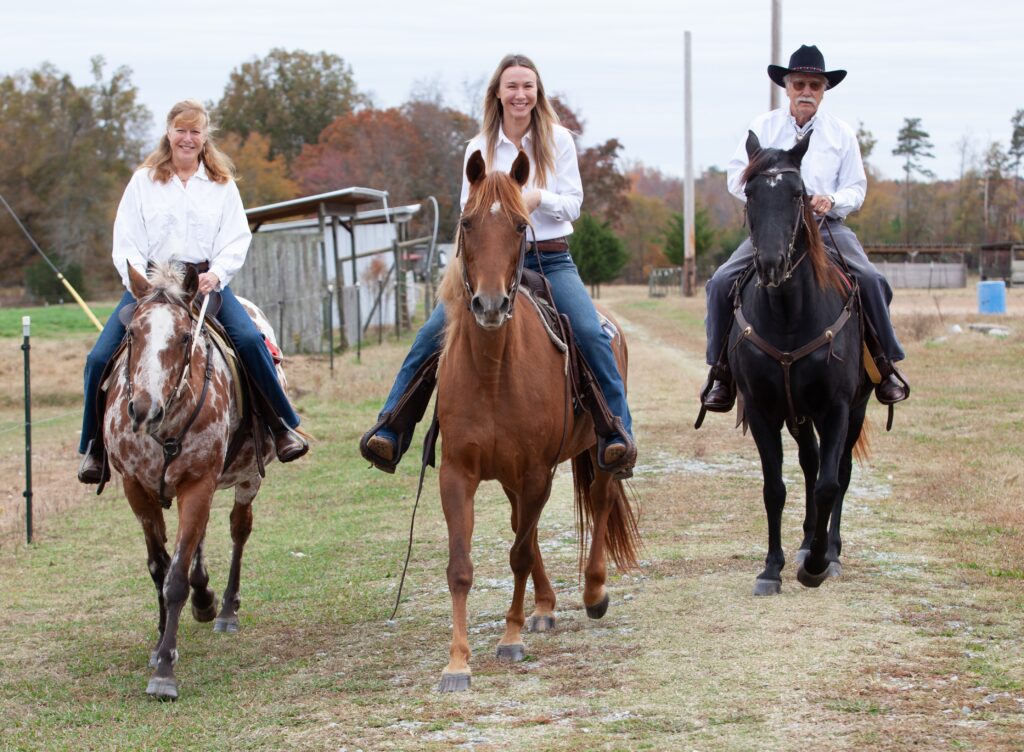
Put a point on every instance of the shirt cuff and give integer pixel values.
(551, 204)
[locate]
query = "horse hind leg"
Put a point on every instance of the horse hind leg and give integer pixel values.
(241, 527)
(807, 442)
(204, 600)
(543, 617)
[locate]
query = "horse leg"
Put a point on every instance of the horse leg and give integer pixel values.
(204, 600)
(529, 502)
(833, 429)
(241, 527)
(769, 446)
(193, 514)
(807, 442)
(457, 490)
(595, 572)
(543, 617)
(151, 516)
(835, 540)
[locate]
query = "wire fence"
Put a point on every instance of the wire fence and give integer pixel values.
(20, 425)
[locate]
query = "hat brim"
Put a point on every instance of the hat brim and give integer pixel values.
(778, 74)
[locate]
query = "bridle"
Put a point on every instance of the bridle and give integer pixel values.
(172, 446)
(460, 251)
(789, 266)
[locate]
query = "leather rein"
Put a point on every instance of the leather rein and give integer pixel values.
(172, 446)
(786, 359)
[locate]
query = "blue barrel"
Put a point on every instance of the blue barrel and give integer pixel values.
(992, 296)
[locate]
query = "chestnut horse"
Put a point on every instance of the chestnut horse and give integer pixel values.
(171, 412)
(504, 414)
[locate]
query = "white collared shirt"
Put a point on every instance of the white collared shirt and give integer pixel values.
(832, 165)
(560, 199)
(197, 221)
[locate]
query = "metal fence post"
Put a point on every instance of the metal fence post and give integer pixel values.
(26, 323)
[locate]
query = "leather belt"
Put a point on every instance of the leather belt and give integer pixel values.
(554, 245)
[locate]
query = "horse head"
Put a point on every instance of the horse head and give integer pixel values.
(159, 342)
(775, 207)
(492, 239)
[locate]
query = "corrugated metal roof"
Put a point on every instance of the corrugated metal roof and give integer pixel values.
(342, 203)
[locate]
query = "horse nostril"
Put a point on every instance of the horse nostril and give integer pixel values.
(131, 410)
(505, 302)
(159, 415)
(477, 305)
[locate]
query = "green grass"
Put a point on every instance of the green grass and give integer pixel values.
(54, 321)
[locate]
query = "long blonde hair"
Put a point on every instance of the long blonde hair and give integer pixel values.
(543, 119)
(219, 166)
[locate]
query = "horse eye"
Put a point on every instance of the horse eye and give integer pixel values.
(186, 338)
(521, 228)
(466, 224)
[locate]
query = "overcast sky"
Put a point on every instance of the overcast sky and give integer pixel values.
(957, 66)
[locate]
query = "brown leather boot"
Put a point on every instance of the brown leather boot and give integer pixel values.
(893, 387)
(719, 393)
(93, 468)
(618, 456)
(289, 445)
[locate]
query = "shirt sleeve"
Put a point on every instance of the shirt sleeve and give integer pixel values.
(231, 243)
(563, 202)
(738, 164)
(852, 182)
(130, 242)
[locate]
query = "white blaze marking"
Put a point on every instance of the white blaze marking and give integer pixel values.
(495, 207)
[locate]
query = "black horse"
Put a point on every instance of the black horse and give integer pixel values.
(796, 351)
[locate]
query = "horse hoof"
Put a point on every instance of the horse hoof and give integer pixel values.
(767, 587)
(801, 555)
(599, 609)
(206, 614)
(153, 659)
(227, 624)
(835, 569)
(515, 652)
(454, 683)
(808, 579)
(163, 689)
(542, 623)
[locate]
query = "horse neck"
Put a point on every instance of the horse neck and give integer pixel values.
(793, 304)
(488, 351)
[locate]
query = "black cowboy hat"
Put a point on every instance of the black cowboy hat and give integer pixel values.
(806, 60)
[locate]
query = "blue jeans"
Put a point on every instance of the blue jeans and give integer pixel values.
(875, 292)
(244, 336)
(571, 298)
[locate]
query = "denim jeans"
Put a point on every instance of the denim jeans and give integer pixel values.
(875, 292)
(244, 336)
(571, 298)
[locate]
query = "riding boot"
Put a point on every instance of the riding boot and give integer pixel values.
(719, 392)
(616, 450)
(893, 387)
(376, 445)
(94, 468)
(289, 444)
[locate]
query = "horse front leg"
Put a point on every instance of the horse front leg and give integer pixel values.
(768, 437)
(835, 539)
(528, 503)
(193, 514)
(833, 428)
(807, 441)
(241, 527)
(151, 517)
(204, 600)
(457, 490)
(543, 617)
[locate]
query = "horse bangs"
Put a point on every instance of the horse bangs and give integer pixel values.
(168, 282)
(757, 165)
(498, 187)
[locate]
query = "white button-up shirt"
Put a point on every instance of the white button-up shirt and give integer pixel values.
(832, 165)
(560, 200)
(194, 222)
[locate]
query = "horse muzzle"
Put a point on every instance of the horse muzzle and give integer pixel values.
(490, 311)
(152, 416)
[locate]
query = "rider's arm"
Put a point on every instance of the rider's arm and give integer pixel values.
(851, 182)
(231, 243)
(563, 196)
(130, 241)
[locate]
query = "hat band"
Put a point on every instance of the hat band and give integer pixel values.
(808, 69)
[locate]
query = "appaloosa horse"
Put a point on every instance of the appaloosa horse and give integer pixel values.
(505, 415)
(796, 351)
(171, 412)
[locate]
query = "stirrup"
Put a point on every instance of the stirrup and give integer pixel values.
(622, 468)
(717, 374)
(375, 459)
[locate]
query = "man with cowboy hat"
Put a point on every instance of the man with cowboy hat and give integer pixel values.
(833, 174)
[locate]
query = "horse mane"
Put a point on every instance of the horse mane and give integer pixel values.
(825, 274)
(167, 281)
(495, 188)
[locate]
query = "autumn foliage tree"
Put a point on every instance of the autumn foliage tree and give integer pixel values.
(262, 179)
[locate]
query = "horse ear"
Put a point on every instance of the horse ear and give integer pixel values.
(798, 151)
(138, 285)
(476, 168)
(520, 171)
(753, 145)
(190, 284)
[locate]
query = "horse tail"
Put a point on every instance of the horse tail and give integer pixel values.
(862, 447)
(622, 535)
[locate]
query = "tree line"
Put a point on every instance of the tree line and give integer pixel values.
(296, 123)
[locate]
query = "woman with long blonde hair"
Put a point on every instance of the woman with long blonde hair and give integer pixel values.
(517, 116)
(182, 205)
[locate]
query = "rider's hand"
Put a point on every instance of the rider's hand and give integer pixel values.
(532, 199)
(208, 282)
(821, 205)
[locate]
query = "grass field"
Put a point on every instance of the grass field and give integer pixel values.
(917, 646)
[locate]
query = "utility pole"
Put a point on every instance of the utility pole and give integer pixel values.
(689, 247)
(773, 97)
